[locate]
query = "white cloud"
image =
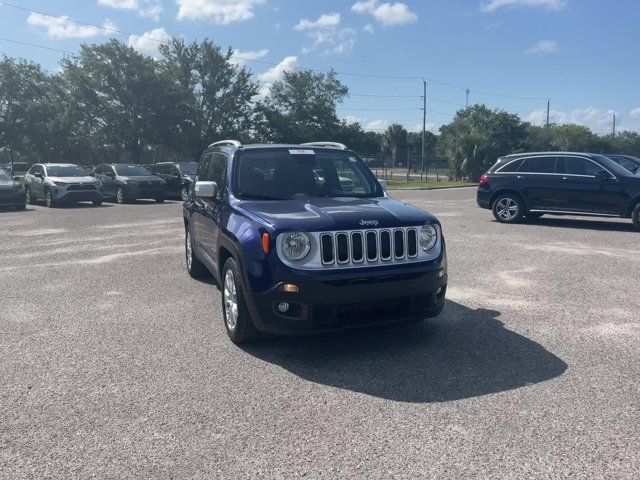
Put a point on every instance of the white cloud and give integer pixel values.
(65, 28)
(145, 8)
(377, 125)
(147, 46)
(241, 58)
(326, 33)
(494, 5)
(543, 47)
(599, 121)
(388, 14)
(288, 64)
(221, 12)
(324, 21)
(368, 28)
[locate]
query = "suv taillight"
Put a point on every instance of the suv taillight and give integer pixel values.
(484, 180)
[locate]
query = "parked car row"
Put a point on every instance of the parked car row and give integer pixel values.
(529, 185)
(57, 183)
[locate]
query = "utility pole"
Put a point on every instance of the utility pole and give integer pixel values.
(548, 105)
(467, 91)
(424, 119)
(614, 125)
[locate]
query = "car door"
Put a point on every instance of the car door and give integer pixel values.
(102, 174)
(37, 187)
(588, 191)
(173, 179)
(197, 217)
(214, 209)
(540, 182)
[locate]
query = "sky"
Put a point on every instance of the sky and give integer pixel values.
(584, 55)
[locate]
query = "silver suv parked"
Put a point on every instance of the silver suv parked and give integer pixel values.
(56, 183)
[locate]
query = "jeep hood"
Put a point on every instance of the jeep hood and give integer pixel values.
(316, 214)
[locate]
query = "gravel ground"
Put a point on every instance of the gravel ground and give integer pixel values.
(114, 362)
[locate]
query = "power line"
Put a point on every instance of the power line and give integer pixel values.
(37, 46)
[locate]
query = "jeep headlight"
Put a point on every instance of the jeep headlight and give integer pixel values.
(295, 245)
(428, 237)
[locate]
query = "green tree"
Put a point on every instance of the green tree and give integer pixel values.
(218, 94)
(571, 138)
(301, 108)
(394, 138)
(476, 137)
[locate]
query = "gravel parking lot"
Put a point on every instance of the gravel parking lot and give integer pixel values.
(114, 363)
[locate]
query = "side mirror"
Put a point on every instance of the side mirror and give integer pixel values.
(383, 184)
(602, 176)
(206, 189)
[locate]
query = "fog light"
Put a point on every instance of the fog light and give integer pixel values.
(283, 307)
(290, 288)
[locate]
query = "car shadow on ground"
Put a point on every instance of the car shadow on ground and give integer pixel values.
(617, 225)
(463, 353)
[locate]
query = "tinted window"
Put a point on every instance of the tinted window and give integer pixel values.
(626, 164)
(281, 174)
(218, 172)
(540, 165)
(579, 166)
(189, 168)
(511, 167)
(131, 171)
(67, 171)
(203, 166)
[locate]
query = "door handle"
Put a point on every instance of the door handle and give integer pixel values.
(565, 179)
(520, 177)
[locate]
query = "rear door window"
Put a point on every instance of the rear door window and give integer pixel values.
(511, 167)
(540, 165)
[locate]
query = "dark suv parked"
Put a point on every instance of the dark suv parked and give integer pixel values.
(126, 183)
(11, 192)
(627, 161)
(295, 252)
(61, 182)
(178, 177)
(560, 183)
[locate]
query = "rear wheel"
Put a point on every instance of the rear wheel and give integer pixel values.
(635, 216)
(28, 197)
(194, 266)
(507, 208)
(184, 194)
(237, 320)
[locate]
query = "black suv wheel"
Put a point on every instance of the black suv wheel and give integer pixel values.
(48, 197)
(635, 216)
(237, 321)
(508, 208)
(120, 196)
(28, 198)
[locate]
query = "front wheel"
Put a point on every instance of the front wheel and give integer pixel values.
(237, 321)
(635, 216)
(28, 197)
(48, 197)
(507, 208)
(184, 194)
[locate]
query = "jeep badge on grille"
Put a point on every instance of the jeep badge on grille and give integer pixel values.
(368, 223)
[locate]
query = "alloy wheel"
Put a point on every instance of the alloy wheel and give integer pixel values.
(189, 250)
(230, 301)
(507, 208)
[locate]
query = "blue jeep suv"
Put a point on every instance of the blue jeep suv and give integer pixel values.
(303, 238)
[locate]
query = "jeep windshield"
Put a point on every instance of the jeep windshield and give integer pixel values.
(65, 171)
(294, 173)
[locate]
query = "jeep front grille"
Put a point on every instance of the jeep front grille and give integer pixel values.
(371, 247)
(380, 246)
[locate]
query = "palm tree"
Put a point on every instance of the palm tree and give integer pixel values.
(395, 136)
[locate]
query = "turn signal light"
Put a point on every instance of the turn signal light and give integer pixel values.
(290, 288)
(265, 242)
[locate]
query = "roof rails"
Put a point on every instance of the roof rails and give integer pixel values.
(229, 143)
(340, 146)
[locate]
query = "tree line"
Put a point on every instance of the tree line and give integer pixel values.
(110, 103)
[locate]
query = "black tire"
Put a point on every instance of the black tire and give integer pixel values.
(635, 216)
(97, 203)
(194, 266)
(243, 330)
(49, 200)
(184, 194)
(508, 208)
(121, 198)
(160, 200)
(29, 198)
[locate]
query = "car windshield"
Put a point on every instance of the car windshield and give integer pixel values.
(4, 177)
(65, 171)
(627, 163)
(189, 168)
(281, 174)
(131, 171)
